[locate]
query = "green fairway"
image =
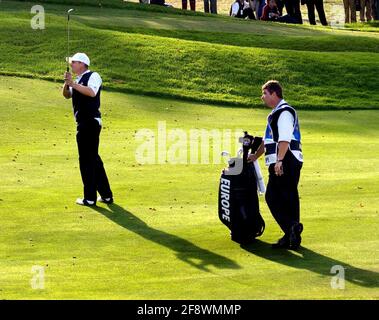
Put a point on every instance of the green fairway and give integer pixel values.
(182, 56)
(162, 238)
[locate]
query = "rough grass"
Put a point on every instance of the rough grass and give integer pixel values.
(224, 67)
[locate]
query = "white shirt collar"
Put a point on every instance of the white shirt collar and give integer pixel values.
(281, 102)
(81, 75)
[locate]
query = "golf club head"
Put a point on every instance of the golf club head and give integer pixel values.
(68, 13)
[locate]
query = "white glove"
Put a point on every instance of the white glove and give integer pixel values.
(260, 182)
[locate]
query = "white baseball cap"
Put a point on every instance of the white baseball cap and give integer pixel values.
(81, 57)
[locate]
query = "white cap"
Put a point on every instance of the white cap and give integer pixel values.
(81, 57)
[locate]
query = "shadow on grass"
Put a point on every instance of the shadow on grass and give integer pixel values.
(185, 250)
(313, 261)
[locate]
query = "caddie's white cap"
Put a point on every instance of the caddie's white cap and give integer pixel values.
(81, 57)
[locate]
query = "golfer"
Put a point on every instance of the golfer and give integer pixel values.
(283, 156)
(85, 94)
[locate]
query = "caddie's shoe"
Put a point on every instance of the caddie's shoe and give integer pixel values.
(283, 243)
(105, 200)
(85, 202)
(295, 238)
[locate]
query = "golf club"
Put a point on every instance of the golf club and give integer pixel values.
(68, 38)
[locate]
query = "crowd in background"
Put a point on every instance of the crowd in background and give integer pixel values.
(368, 10)
(272, 10)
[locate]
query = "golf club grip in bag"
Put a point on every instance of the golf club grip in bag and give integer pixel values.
(238, 205)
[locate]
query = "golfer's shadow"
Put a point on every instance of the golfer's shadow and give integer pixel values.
(313, 261)
(185, 250)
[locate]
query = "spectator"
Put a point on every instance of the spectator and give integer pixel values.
(212, 4)
(375, 9)
(292, 8)
(350, 11)
(366, 5)
(192, 4)
(262, 3)
(271, 13)
(296, 12)
(241, 9)
(254, 5)
(319, 4)
(157, 2)
(280, 5)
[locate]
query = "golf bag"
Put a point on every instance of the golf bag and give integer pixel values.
(238, 206)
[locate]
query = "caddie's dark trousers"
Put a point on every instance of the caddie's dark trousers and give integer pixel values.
(282, 196)
(91, 167)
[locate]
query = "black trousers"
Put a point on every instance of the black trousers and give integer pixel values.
(319, 4)
(286, 19)
(282, 196)
(280, 5)
(248, 12)
(293, 9)
(192, 4)
(212, 6)
(91, 166)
